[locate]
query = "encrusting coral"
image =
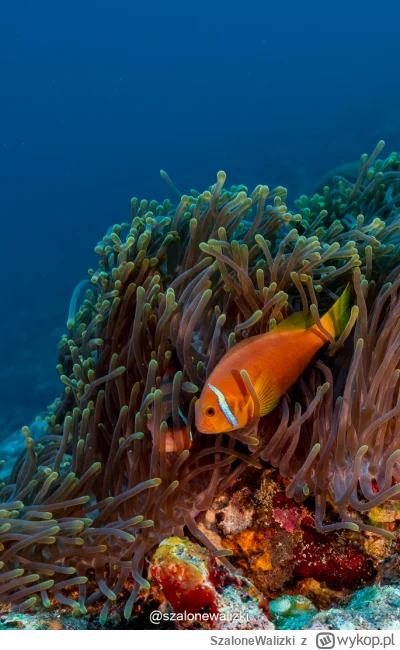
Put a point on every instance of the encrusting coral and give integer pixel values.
(121, 466)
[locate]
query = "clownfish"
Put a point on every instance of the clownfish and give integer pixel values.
(173, 440)
(274, 362)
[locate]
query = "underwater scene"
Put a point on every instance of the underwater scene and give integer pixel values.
(200, 350)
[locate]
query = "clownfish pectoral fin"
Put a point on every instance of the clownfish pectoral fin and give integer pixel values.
(268, 394)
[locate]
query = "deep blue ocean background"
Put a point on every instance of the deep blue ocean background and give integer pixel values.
(96, 97)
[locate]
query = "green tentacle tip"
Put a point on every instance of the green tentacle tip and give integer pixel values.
(189, 387)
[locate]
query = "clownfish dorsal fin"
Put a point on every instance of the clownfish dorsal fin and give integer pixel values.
(267, 392)
(335, 320)
(300, 320)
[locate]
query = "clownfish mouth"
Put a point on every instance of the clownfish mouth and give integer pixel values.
(205, 429)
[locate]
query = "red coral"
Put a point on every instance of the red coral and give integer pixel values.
(182, 570)
(221, 577)
(286, 512)
(287, 518)
(323, 558)
(280, 500)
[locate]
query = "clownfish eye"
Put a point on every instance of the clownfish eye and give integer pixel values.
(210, 412)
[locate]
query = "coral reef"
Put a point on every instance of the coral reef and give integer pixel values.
(121, 466)
(183, 571)
(190, 578)
(279, 549)
(372, 608)
(292, 612)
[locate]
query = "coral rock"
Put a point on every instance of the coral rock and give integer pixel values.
(372, 608)
(182, 570)
(297, 608)
(324, 558)
(192, 581)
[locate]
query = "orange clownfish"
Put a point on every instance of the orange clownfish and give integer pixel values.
(274, 361)
(174, 440)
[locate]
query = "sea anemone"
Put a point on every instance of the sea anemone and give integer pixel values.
(175, 288)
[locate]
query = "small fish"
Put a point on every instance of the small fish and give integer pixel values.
(172, 442)
(274, 361)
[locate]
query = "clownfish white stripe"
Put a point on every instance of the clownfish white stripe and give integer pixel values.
(223, 405)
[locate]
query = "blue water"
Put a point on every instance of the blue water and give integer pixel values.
(96, 97)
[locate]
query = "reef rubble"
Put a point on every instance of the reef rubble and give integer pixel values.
(372, 608)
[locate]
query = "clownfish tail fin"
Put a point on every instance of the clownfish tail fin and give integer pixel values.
(336, 319)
